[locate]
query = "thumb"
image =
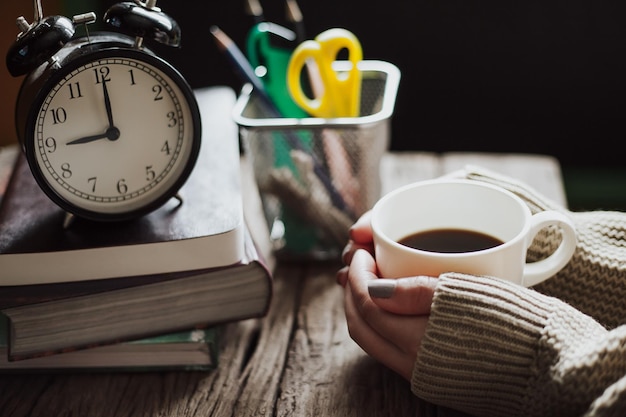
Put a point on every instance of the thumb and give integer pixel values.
(411, 295)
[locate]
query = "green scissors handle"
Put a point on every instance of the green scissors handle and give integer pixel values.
(270, 46)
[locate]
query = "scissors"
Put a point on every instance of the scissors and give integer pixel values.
(341, 92)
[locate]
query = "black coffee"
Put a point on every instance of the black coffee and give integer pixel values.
(450, 241)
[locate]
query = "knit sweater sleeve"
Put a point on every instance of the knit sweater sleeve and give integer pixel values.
(495, 348)
(492, 348)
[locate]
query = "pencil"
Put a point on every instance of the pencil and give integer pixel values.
(254, 9)
(243, 67)
(294, 15)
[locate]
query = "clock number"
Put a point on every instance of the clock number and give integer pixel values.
(121, 186)
(74, 90)
(150, 174)
(51, 144)
(67, 172)
(92, 180)
(166, 148)
(157, 90)
(58, 115)
(172, 119)
(132, 77)
(102, 74)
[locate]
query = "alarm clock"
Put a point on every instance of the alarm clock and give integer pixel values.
(110, 130)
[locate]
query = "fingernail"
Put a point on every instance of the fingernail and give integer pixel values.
(381, 288)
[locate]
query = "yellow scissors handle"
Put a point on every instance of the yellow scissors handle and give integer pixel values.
(342, 90)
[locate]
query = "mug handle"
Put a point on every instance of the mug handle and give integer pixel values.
(539, 271)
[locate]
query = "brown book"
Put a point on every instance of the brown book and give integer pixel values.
(205, 231)
(163, 303)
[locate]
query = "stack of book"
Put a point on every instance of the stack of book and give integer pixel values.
(102, 295)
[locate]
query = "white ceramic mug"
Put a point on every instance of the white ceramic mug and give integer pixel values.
(467, 205)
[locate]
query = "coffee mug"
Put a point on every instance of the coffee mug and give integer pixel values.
(449, 225)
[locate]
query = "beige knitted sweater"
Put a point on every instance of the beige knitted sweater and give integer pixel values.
(496, 349)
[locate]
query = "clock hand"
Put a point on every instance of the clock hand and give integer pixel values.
(107, 103)
(112, 133)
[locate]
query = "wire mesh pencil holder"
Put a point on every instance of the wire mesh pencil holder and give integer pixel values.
(316, 176)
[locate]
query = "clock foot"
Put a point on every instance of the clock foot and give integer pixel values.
(178, 197)
(69, 219)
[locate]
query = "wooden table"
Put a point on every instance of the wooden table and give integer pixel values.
(297, 361)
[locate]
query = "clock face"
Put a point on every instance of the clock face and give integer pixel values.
(115, 134)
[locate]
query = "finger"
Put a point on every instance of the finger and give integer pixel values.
(373, 343)
(411, 295)
(361, 230)
(352, 247)
(404, 331)
(342, 276)
(361, 237)
(361, 270)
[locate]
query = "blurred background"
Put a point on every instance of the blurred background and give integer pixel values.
(537, 76)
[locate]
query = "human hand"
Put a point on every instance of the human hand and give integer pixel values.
(387, 318)
(361, 237)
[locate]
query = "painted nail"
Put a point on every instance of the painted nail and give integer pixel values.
(381, 288)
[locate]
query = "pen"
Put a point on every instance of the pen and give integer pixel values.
(245, 70)
(312, 76)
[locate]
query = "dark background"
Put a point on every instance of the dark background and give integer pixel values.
(544, 76)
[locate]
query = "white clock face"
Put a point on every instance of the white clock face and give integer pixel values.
(113, 135)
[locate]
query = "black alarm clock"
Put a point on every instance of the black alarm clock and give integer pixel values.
(110, 130)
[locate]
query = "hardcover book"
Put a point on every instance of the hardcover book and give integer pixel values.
(194, 350)
(93, 313)
(204, 231)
